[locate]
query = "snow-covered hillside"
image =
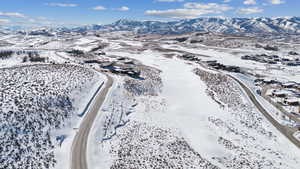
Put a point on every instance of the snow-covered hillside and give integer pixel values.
(36, 101)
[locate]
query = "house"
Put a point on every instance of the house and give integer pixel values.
(272, 48)
(277, 60)
(190, 57)
(211, 61)
(292, 63)
(274, 56)
(233, 69)
(272, 62)
(292, 101)
(128, 61)
(285, 59)
(270, 81)
(99, 53)
(107, 64)
(258, 91)
(280, 93)
(297, 86)
(293, 53)
(289, 85)
(258, 82)
(246, 57)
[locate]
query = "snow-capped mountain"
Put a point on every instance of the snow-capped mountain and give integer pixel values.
(289, 25)
(261, 25)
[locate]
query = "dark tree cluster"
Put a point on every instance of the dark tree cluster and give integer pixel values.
(6, 54)
(76, 53)
(33, 56)
(28, 56)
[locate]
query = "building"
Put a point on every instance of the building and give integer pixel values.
(292, 101)
(289, 85)
(280, 93)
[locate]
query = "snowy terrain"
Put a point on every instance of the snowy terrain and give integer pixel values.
(168, 106)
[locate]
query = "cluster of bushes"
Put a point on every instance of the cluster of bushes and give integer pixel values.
(35, 101)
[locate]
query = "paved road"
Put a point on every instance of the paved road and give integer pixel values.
(288, 132)
(79, 146)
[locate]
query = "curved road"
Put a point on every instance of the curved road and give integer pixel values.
(79, 146)
(286, 131)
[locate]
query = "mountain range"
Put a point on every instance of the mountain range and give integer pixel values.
(289, 25)
(261, 25)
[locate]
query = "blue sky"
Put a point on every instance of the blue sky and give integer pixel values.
(55, 12)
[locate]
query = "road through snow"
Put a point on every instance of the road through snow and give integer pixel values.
(79, 146)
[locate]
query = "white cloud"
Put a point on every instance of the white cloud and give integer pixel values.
(41, 18)
(12, 14)
(47, 23)
(252, 10)
(226, 1)
(277, 2)
(123, 8)
(3, 21)
(170, 0)
(190, 10)
(15, 18)
(61, 5)
(209, 6)
(249, 2)
(31, 20)
(99, 8)
(177, 13)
